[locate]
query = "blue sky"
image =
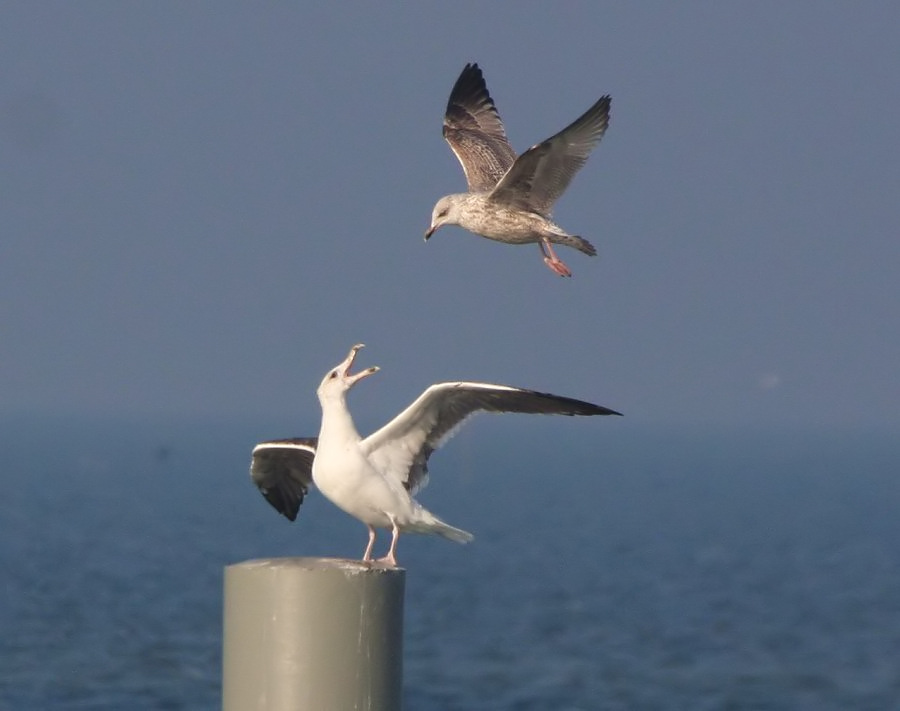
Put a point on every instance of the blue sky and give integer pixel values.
(204, 205)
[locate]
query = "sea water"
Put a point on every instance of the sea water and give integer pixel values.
(614, 567)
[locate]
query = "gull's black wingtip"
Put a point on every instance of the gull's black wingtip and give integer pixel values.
(284, 498)
(470, 81)
(286, 507)
(600, 410)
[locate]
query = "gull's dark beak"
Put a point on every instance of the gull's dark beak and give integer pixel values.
(429, 232)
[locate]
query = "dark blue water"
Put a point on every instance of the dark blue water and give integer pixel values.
(614, 567)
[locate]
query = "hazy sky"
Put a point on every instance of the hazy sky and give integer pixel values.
(204, 205)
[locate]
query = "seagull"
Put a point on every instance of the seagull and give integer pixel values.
(510, 199)
(374, 478)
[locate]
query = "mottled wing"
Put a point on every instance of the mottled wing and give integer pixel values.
(543, 172)
(475, 132)
(402, 447)
(282, 469)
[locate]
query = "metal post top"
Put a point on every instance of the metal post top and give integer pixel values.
(344, 565)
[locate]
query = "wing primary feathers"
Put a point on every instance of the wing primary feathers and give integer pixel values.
(282, 470)
(475, 132)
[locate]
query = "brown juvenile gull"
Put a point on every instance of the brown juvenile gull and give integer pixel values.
(511, 199)
(374, 478)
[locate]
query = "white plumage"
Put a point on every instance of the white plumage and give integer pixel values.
(374, 478)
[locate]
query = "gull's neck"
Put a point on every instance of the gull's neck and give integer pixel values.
(337, 422)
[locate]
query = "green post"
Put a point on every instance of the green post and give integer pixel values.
(312, 634)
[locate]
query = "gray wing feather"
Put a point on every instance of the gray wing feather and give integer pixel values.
(402, 447)
(543, 172)
(282, 470)
(473, 128)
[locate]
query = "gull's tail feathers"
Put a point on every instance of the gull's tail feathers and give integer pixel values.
(581, 244)
(429, 523)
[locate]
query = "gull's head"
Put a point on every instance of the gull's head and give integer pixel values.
(339, 379)
(445, 212)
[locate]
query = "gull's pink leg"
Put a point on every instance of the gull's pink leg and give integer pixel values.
(368, 554)
(552, 261)
(391, 557)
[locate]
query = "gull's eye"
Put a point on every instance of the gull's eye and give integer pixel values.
(443, 213)
(333, 374)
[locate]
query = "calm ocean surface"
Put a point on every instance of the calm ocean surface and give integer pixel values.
(614, 566)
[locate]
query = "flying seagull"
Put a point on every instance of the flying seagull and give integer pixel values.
(511, 199)
(374, 478)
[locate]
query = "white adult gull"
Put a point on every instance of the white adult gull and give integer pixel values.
(374, 478)
(511, 199)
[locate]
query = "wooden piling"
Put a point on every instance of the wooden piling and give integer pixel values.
(312, 634)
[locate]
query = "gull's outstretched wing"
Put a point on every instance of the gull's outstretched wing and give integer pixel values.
(475, 132)
(401, 448)
(543, 172)
(282, 469)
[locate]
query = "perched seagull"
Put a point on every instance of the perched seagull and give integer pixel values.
(510, 199)
(374, 478)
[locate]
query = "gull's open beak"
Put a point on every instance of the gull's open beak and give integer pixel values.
(348, 363)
